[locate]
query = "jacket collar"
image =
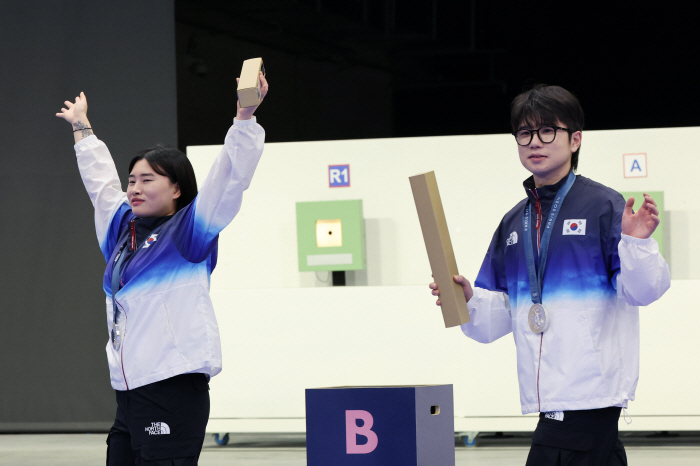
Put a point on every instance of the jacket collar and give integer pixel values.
(545, 193)
(144, 226)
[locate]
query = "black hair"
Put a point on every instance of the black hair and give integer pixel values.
(168, 161)
(545, 105)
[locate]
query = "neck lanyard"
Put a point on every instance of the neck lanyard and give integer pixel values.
(119, 318)
(117, 270)
(536, 277)
(117, 332)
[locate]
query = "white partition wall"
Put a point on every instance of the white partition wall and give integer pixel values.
(283, 330)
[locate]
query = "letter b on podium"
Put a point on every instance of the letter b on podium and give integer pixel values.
(352, 430)
(380, 426)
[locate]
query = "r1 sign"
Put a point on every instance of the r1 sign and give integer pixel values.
(338, 176)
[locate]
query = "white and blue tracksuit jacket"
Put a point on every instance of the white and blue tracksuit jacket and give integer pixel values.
(170, 326)
(595, 278)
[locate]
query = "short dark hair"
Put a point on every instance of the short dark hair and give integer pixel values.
(169, 161)
(545, 105)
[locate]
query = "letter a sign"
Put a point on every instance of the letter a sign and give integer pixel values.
(635, 165)
(352, 430)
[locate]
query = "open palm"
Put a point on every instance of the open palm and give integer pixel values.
(74, 112)
(640, 224)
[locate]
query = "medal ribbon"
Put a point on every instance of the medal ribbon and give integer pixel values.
(536, 276)
(116, 276)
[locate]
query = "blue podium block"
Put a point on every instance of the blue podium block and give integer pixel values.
(382, 426)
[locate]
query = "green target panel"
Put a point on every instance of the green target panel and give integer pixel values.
(330, 235)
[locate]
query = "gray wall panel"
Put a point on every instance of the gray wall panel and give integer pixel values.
(53, 368)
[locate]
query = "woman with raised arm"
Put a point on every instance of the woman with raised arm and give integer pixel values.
(160, 243)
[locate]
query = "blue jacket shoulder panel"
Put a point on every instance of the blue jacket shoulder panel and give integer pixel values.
(193, 243)
(492, 273)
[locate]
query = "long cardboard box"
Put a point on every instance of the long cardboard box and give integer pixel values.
(249, 82)
(440, 254)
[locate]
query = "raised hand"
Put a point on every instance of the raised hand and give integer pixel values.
(640, 224)
(75, 113)
(247, 113)
(459, 279)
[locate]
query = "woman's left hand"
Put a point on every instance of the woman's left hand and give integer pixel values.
(247, 113)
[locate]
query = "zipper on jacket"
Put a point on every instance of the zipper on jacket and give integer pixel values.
(121, 356)
(133, 235)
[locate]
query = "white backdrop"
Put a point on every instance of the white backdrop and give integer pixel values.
(282, 332)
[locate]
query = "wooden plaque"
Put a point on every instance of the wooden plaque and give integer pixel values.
(437, 242)
(249, 82)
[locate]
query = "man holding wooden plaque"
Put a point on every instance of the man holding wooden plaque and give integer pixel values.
(565, 272)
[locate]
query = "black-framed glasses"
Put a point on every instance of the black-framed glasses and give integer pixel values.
(545, 134)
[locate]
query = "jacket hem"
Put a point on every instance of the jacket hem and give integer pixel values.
(211, 368)
(577, 405)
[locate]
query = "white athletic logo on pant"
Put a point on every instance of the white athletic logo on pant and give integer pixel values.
(158, 428)
(555, 415)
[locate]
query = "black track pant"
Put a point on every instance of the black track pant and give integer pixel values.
(587, 437)
(160, 424)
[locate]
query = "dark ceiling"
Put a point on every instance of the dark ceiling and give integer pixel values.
(440, 66)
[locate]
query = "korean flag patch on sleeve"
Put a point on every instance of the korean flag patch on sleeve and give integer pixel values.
(575, 227)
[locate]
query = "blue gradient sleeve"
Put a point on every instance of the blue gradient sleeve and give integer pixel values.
(192, 240)
(221, 194)
(108, 244)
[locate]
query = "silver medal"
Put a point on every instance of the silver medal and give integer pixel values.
(118, 329)
(538, 318)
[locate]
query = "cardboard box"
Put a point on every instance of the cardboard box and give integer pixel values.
(249, 82)
(380, 426)
(440, 254)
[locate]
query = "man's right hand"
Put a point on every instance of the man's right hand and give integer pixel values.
(459, 279)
